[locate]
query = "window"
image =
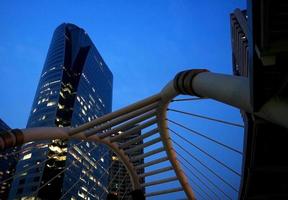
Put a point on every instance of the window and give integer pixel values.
(51, 103)
(27, 156)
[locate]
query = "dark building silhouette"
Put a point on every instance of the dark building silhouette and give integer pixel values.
(75, 87)
(260, 52)
(238, 20)
(8, 161)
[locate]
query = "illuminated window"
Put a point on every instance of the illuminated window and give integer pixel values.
(60, 106)
(51, 103)
(84, 188)
(114, 158)
(66, 89)
(62, 95)
(26, 198)
(27, 156)
(34, 110)
(102, 159)
(80, 194)
(44, 117)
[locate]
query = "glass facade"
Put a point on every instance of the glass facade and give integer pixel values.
(75, 87)
(121, 185)
(8, 161)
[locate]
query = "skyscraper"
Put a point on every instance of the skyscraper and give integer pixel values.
(239, 45)
(75, 87)
(120, 184)
(8, 161)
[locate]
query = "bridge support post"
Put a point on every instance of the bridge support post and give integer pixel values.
(231, 90)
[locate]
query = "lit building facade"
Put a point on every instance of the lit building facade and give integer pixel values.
(75, 87)
(121, 185)
(8, 161)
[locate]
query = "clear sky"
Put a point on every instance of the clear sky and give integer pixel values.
(144, 43)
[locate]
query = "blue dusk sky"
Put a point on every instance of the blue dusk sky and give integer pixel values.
(144, 43)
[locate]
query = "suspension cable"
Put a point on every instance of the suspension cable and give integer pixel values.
(23, 150)
(121, 183)
(204, 165)
(82, 175)
(208, 118)
(206, 137)
(202, 174)
(61, 172)
(31, 167)
(102, 175)
(207, 154)
(111, 181)
(188, 99)
(200, 188)
(197, 177)
(125, 191)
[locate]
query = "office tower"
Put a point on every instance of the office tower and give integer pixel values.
(8, 161)
(239, 39)
(120, 185)
(75, 87)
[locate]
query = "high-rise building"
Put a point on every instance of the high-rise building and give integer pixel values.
(8, 161)
(75, 87)
(239, 40)
(120, 184)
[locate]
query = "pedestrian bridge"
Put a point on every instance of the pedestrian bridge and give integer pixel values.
(205, 135)
(179, 160)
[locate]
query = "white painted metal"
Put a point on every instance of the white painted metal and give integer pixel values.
(231, 90)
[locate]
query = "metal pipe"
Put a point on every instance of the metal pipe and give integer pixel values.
(149, 153)
(129, 124)
(232, 90)
(123, 118)
(153, 162)
(142, 146)
(115, 114)
(157, 171)
(139, 138)
(167, 94)
(235, 91)
(133, 130)
(164, 192)
(165, 180)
